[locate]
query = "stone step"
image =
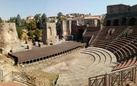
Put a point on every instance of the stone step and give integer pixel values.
(108, 54)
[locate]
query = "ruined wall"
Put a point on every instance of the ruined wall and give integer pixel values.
(9, 38)
(117, 8)
(133, 8)
(8, 33)
(49, 34)
(121, 15)
(66, 26)
(91, 22)
(121, 8)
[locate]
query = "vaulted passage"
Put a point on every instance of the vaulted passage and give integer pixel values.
(132, 21)
(124, 20)
(115, 23)
(80, 32)
(108, 23)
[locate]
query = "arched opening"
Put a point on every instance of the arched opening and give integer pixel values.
(115, 23)
(108, 23)
(98, 22)
(80, 32)
(132, 21)
(124, 20)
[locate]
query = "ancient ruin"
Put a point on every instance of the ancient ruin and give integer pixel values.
(9, 40)
(93, 51)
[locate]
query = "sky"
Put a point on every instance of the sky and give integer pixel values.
(10, 8)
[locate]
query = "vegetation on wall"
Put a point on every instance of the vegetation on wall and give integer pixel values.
(19, 32)
(31, 34)
(33, 28)
(60, 17)
(37, 34)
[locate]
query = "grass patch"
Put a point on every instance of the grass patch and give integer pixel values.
(49, 78)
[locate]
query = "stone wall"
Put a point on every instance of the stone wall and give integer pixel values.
(8, 33)
(49, 34)
(121, 8)
(8, 38)
(66, 26)
(134, 8)
(92, 22)
(121, 15)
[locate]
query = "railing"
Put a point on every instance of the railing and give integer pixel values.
(24, 79)
(115, 78)
(98, 80)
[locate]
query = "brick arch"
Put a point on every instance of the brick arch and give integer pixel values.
(116, 22)
(108, 23)
(124, 21)
(132, 21)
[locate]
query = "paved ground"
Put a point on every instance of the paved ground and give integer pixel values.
(74, 69)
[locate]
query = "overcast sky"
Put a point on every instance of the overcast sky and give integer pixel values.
(10, 8)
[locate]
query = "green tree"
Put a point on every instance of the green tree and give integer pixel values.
(59, 15)
(1, 20)
(37, 17)
(19, 32)
(37, 34)
(24, 24)
(32, 25)
(12, 19)
(59, 24)
(43, 18)
(31, 34)
(18, 20)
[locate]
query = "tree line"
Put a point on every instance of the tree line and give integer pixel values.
(34, 27)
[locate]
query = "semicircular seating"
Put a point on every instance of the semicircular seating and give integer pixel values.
(126, 63)
(80, 70)
(95, 55)
(106, 53)
(121, 43)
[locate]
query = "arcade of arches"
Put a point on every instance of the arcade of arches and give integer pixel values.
(120, 22)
